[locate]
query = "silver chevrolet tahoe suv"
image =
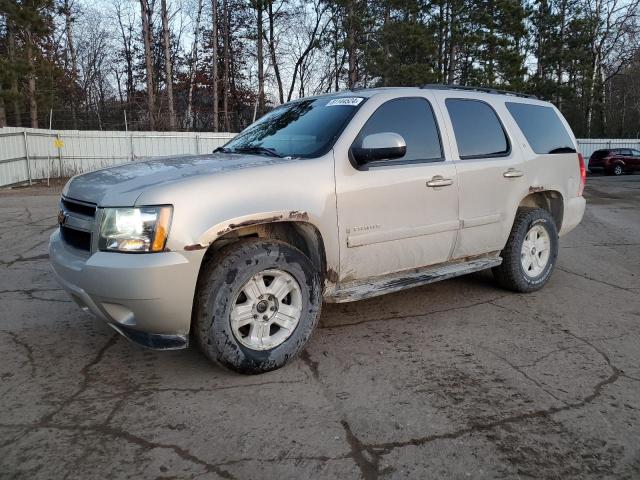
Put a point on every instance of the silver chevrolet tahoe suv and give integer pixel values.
(338, 198)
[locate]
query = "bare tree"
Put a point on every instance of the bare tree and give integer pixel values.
(31, 79)
(193, 66)
(15, 93)
(319, 26)
(351, 43)
(66, 9)
(214, 60)
(259, 6)
(615, 26)
(148, 56)
(126, 32)
(227, 54)
(3, 114)
(271, 43)
(168, 62)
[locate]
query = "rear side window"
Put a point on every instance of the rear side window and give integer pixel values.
(413, 119)
(542, 128)
(478, 130)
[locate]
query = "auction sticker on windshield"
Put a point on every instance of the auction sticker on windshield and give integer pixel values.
(350, 101)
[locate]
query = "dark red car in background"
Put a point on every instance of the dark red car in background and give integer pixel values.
(615, 161)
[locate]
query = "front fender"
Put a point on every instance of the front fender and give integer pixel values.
(228, 226)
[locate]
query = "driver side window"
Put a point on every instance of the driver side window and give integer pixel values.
(414, 120)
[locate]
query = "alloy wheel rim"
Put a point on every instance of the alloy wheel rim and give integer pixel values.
(535, 252)
(266, 310)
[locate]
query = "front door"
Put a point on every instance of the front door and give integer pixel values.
(395, 215)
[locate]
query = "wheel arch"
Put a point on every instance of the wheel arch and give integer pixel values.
(550, 200)
(296, 231)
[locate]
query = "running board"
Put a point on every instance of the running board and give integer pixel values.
(359, 290)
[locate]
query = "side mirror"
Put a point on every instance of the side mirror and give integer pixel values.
(379, 146)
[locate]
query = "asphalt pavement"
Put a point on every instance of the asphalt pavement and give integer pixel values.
(458, 379)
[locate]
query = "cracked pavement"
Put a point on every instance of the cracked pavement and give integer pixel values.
(457, 379)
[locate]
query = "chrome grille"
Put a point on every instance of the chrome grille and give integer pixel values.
(77, 223)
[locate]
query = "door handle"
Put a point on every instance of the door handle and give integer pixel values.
(512, 173)
(439, 181)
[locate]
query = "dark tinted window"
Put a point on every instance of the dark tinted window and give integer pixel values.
(413, 119)
(305, 128)
(478, 130)
(542, 128)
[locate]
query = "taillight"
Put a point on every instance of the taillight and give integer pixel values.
(583, 174)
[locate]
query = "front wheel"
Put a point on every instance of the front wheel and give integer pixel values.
(256, 306)
(531, 251)
(617, 170)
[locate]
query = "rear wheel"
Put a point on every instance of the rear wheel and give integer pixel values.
(257, 304)
(531, 251)
(617, 170)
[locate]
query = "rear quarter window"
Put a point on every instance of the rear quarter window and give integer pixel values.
(542, 128)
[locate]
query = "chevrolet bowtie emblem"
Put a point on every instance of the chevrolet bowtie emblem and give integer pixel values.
(61, 217)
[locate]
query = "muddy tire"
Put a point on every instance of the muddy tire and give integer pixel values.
(256, 306)
(530, 255)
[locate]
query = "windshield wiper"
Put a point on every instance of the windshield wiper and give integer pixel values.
(256, 149)
(223, 150)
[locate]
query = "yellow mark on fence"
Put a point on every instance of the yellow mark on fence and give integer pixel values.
(58, 143)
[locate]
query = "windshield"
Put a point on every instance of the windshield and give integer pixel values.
(305, 128)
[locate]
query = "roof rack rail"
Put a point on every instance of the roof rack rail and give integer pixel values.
(440, 86)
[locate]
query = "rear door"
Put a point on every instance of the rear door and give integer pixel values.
(491, 174)
(395, 215)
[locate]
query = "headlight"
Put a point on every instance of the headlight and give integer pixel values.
(143, 229)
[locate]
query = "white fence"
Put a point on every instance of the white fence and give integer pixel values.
(30, 154)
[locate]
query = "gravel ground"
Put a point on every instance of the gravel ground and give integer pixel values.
(457, 379)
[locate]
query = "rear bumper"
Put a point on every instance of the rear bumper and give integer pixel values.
(573, 213)
(146, 297)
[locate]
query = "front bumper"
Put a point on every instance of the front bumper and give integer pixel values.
(146, 297)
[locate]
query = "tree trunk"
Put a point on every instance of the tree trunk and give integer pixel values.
(303, 56)
(226, 53)
(3, 115)
(441, 40)
(335, 54)
(15, 94)
(214, 74)
(385, 44)
(146, 34)
(272, 51)
(260, 8)
(31, 81)
(168, 63)
(560, 46)
(351, 45)
(74, 60)
(193, 67)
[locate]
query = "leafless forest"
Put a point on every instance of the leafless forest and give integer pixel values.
(218, 64)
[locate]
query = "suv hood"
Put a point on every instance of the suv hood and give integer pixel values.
(122, 185)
